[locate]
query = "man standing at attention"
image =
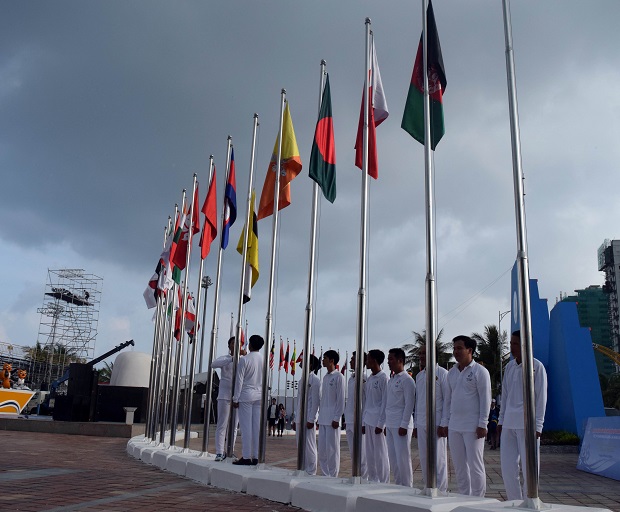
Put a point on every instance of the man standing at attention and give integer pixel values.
(441, 385)
(376, 445)
(464, 421)
(511, 419)
(247, 397)
(331, 409)
(397, 416)
(349, 412)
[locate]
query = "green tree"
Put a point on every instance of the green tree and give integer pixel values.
(491, 350)
(443, 351)
(105, 373)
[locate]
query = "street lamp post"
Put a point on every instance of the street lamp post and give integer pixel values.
(206, 282)
(501, 356)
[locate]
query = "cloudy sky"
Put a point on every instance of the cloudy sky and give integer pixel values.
(108, 108)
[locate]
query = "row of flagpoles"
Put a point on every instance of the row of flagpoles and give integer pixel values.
(423, 120)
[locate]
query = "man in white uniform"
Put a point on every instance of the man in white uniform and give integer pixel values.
(419, 420)
(331, 409)
(398, 419)
(511, 419)
(374, 430)
(349, 413)
(313, 396)
(247, 397)
(465, 414)
(225, 363)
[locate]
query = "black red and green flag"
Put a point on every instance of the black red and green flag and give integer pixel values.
(413, 116)
(323, 155)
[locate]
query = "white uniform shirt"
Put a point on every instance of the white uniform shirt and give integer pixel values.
(313, 397)
(332, 398)
(349, 410)
(374, 391)
(511, 413)
(249, 381)
(399, 401)
(468, 401)
(441, 384)
(225, 363)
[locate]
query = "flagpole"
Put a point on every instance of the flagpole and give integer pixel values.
(531, 453)
(204, 284)
(184, 313)
(155, 365)
(216, 308)
(249, 220)
(305, 370)
(262, 438)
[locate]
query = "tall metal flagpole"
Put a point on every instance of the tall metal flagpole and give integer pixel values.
(246, 232)
(302, 431)
(184, 302)
(531, 453)
(178, 359)
(216, 309)
(262, 438)
(361, 294)
(431, 284)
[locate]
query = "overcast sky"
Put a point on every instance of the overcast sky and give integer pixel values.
(108, 108)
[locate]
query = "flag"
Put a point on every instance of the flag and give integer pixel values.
(290, 167)
(161, 275)
(377, 113)
(190, 315)
(301, 356)
(286, 357)
(230, 201)
(209, 209)
(281, 354)
(251, 269)
(272, 354)
(184, 239)
(344, 368)
(323, 156)
(413, 116)
(293, 360)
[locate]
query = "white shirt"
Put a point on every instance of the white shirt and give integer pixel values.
(511, 413)
(332, 398)
(441, 385)
(225, 363)
(468, 401)
(313, 397)
(349, 410)
(249, 381)
(399, 401)
(374, 391)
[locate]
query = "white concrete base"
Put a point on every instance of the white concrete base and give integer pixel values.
(233, 478)
(177, 463)
(403, 500)
(161, 456)
(199, 468)
(277, 484)
(335, 494)
(147, 453)
(516, 506)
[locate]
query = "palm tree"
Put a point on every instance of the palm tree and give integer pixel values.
(106, 372)
(411, 350)
(491, 349)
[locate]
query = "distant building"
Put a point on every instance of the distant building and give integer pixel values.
(593, 311)
(609, 262)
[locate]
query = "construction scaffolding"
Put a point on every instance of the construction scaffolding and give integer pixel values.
(68, 326)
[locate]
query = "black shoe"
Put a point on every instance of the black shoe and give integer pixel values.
(254, 462)
(243, 462)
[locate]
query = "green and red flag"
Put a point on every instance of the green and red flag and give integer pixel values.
(413, 116)
(323, 155)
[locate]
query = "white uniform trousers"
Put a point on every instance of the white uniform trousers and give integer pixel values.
(467, 453)
(249, 421)
(512, 450)
(309, 449)
(223, 414)
(363, 466)
(442, 459)
(377, 461)
(329, 450)
(399, 452)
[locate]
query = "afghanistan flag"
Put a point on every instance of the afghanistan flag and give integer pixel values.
(413, 116)
(323, 155)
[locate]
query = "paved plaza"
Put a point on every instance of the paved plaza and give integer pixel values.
(56, 472)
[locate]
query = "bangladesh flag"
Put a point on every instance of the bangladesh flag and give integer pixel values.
(323, 155)
(413, 116)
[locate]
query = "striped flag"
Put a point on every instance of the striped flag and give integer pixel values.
(230, 201)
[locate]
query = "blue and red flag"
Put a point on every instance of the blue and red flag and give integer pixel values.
(230, 201)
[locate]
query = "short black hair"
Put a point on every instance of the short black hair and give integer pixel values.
(398, 353)
(231, 339)
(467, 341)
(333, 355)
(377, 355)
(517, 333)
(256, 342)
(315, 364)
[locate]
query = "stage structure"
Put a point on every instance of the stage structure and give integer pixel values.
(68, 326)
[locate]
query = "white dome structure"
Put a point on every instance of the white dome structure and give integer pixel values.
(131, 369)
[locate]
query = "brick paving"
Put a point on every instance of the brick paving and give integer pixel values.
(55, 472)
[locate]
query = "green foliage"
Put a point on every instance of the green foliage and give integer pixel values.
(443, 351)
(106, 372)
(559, 437)
(491, 351)
(611, 391)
